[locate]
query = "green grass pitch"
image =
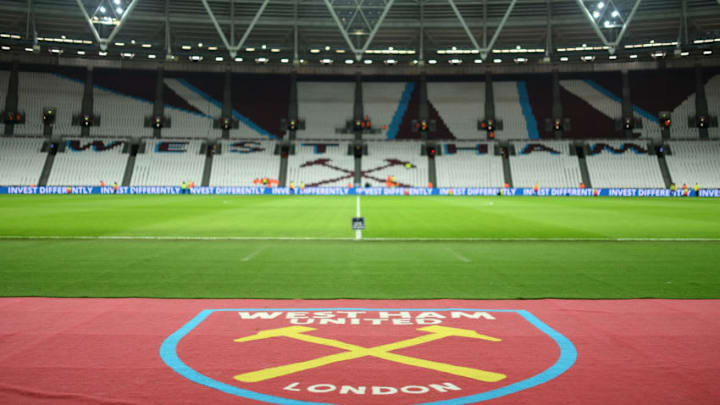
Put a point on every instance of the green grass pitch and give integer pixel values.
(449, 247)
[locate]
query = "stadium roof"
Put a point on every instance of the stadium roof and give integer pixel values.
(341, 31)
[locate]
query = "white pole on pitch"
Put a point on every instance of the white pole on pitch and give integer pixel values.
(358, 232)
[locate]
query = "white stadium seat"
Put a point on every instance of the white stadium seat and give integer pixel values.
(327, 166)
(625, 169)
(532, 165)
(39, 90)
(21, 161)
(468, 168)
(325, 106)
(241, 162)
(694, 162)
(91, 165)
(158, 168)
(387, 159)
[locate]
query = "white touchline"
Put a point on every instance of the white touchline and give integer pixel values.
(379, 239)
(358, 232)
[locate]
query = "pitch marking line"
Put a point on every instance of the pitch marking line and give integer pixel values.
(459, 256)
(314, 238)
(253, 254)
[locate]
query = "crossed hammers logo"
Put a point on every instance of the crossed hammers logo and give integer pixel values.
(350, 174)
(384, 352)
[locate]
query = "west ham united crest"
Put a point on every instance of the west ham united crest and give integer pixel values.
(368, 355)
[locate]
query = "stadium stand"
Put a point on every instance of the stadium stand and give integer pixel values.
(694, 162)
(381, 102)
(121, 115)
(321, 164)
(37, 90)
(259, 102)
(623, 164)
(460, 104)
(389, 158)
(21, 161)
(469, 164)
(509, 110)
(169, 163)
(325, 106)
(712, 92)
(679, 116)
(4, 81)
(241, 162)
(409, 110)
(548, 164)
(88, 162)
(596, 98)
(190, 124)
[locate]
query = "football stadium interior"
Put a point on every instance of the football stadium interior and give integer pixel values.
(359, 201)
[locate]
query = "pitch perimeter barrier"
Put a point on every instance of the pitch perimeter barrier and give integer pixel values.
(369, 191)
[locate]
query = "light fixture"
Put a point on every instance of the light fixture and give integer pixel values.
(455, 61)
(284, 60)
(81, 53)
(327, 48)
(391, 62)
(708, 52)
(275, 50)
(102, 10)
(314, 51)
(200, 44)
(5, 48)
(432, 61)
(250, 49)
(119, 10)
(478, 61)
(262, 60)
(326, 61)
(497, 60)
(219, 59)
(212, 48)
(615, 13)
(564, 59)
(349, 61)
(596, 14)
(152, 56)
(367, 61)
(600, 5)
(238, 59)
(612, 57)
(146, 45)
(633, 56)
(102, 53)
(186, 47)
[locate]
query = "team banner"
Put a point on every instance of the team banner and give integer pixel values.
(359, 352)
(332, 355)
(378, 191)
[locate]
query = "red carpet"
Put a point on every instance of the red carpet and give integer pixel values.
(139, 351)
